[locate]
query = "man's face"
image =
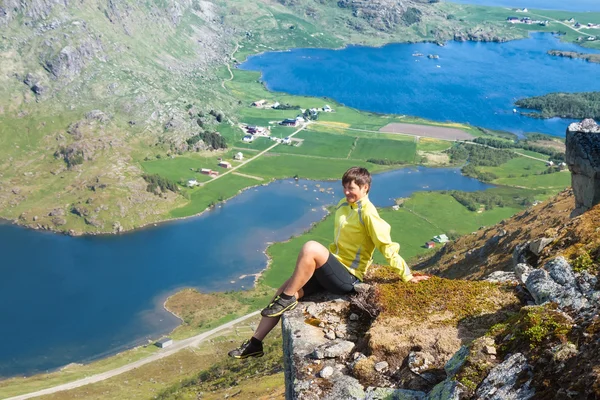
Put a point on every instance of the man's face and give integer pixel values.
(354, 192)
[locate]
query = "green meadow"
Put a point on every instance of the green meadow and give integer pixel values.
(401, 151)
(211, 193)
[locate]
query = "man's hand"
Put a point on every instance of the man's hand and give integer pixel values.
(419, 278)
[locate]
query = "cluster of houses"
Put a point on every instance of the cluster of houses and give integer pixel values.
(254, 132)
(526, 20)
(436, 239)
(239, 156)
(561, 165)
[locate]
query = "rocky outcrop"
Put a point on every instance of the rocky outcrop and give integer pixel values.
(583, 160)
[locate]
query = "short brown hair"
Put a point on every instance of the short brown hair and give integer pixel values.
(358, 175)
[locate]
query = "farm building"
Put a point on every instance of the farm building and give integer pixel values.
(440, 238)
(192, 183)
(205, 171)
(289, 122)
(248, 139)
(430, 245)
(238, 156)
(225, 164)
(164, 342)
(259, 103)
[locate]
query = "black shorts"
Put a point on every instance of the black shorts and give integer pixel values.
(333, 277)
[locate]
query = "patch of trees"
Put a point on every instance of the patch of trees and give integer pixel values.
(564, 105)
(384, 161)
(212, 139)
(473, 200)
(156, 181)
(286, 106)
(555, 155)
(411, 16)
(479, 155)
(71, 156)
(470, 170)
(219, 116)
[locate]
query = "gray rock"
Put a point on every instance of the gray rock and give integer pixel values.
(522, 271)
(538, 245)
(395, 394)
(381, 366)
(506, 381)
(557, 283)
(326, 372)
(330, 335)
(501, 276)
(347, 388)
(455, 363)
(447, 390)
(362, 287)
(299, 340)
(354, 317)
(419, 361)
(339, 349)
(583, 160)
(561, 272)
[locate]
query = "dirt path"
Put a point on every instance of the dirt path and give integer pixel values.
(193, 341)
(562, 23)
(258, 178)
(237, 46)
(231, 170)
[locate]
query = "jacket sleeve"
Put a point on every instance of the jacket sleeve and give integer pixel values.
(379, 232)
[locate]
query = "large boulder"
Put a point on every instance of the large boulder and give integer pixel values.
(583, 160)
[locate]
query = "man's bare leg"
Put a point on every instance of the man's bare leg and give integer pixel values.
(312, 256)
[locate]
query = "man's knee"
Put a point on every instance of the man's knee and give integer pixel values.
(316, 251)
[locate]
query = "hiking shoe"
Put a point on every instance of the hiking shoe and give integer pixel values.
(247, 349)
(278, 306)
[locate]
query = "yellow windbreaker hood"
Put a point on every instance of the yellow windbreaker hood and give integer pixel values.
(359, 230)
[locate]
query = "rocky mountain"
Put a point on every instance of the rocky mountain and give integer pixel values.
(514, 313)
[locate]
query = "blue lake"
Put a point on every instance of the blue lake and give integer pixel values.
(74, 299)
(573, 5)
(471, 82)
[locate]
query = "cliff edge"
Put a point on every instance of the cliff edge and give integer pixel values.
(513, 312)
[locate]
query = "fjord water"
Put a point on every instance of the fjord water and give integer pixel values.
(73, 299)
(573, 5)
(471, 82)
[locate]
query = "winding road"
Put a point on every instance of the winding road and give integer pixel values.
(177, 346)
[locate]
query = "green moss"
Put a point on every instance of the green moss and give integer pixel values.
(583, 262)
(533, 327)
(460, 298)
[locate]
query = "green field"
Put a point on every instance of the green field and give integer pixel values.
(516, 167)
(427, 144)
(213, 192)
(557, 181)
(287, 165)
(319, 144)
(402, 151)
(180, 169)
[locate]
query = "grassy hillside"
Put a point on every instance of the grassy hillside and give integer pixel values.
(92, 94)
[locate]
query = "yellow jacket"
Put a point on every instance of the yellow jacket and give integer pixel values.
(358, 231)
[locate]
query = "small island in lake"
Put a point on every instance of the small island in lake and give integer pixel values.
(595, 58)
(564, 105)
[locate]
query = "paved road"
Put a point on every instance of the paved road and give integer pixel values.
(193, 341)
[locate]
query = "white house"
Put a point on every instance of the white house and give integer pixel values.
(275, 105)
(192, 183)
(550, 163)
(248, 139)
(440, 238)
(164, 342)
(326, 108)
(287, 140)
(238, 156)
